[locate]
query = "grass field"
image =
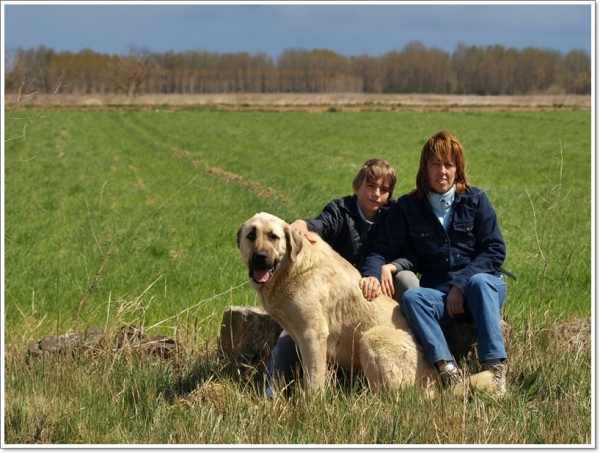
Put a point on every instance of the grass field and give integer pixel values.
(132, 215)
(160, 194)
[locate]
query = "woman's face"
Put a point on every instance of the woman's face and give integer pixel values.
(441, 175)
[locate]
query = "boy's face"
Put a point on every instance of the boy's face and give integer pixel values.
(372, 195)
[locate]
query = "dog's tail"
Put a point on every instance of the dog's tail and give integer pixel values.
(483, 381)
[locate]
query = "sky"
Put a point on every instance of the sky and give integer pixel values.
(349, 29)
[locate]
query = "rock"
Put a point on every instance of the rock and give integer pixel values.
(66, 342)
(93, 336)
(160, 346)
(462, 337)
(248, 334)
(575, 335)
(133, 339)
(129, 338)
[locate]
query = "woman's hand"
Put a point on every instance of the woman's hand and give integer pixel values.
(370, 287)
(302, 229)
(455, 302)
(387, 279)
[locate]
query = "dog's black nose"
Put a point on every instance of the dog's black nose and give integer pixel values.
(260, 257)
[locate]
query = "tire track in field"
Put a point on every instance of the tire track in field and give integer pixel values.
(221, 174)
(228, 177)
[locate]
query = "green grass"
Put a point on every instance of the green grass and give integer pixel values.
(131, 188)
(131, 216)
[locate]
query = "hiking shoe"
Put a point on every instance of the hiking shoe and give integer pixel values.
(451, 377)
(499, 370)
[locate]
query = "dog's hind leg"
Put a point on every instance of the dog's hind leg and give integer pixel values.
(378, 363)
(391, 360)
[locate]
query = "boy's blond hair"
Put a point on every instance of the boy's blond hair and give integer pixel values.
(372, 171)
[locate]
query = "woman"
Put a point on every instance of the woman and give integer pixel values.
(449, 232)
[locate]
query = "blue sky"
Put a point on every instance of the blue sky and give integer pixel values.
(345, 28)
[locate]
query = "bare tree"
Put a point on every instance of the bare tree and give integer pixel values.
(129, 72)
(489, 70)
(368, 69)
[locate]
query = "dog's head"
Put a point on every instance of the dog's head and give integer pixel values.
(265, 242)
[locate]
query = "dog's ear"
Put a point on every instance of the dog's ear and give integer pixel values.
(294, 241)
(239, 235)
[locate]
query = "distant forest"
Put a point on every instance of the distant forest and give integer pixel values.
(491, 70)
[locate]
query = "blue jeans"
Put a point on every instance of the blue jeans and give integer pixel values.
(284, 359)
(425, 311)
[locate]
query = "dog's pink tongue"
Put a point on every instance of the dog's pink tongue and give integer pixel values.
(261, 276)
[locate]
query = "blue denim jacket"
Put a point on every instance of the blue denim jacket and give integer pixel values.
(412, 231)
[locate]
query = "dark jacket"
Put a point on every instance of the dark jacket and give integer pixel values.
(342, 227)
(411, 229)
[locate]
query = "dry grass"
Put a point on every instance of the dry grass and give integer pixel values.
(304, 101)
(103, 395)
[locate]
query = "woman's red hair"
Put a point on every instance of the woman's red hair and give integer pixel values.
(442, 146)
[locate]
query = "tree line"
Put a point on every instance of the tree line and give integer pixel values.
(489, 70)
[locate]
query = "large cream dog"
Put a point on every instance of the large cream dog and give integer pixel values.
(314, 294)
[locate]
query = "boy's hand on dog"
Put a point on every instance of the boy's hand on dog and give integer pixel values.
(302, 229)
(371, 288)
(387, 279)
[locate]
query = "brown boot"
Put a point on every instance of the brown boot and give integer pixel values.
(451, 377)
(499, 370)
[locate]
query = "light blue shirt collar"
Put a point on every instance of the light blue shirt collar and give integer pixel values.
(362, 216)
(442, 204)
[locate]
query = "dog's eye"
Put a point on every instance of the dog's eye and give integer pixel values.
(273, 237)
(251, 236)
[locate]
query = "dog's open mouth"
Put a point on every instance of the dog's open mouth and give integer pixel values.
(261, 267)
(262, 275)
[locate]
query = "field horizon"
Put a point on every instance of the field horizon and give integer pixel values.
(314, 101)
